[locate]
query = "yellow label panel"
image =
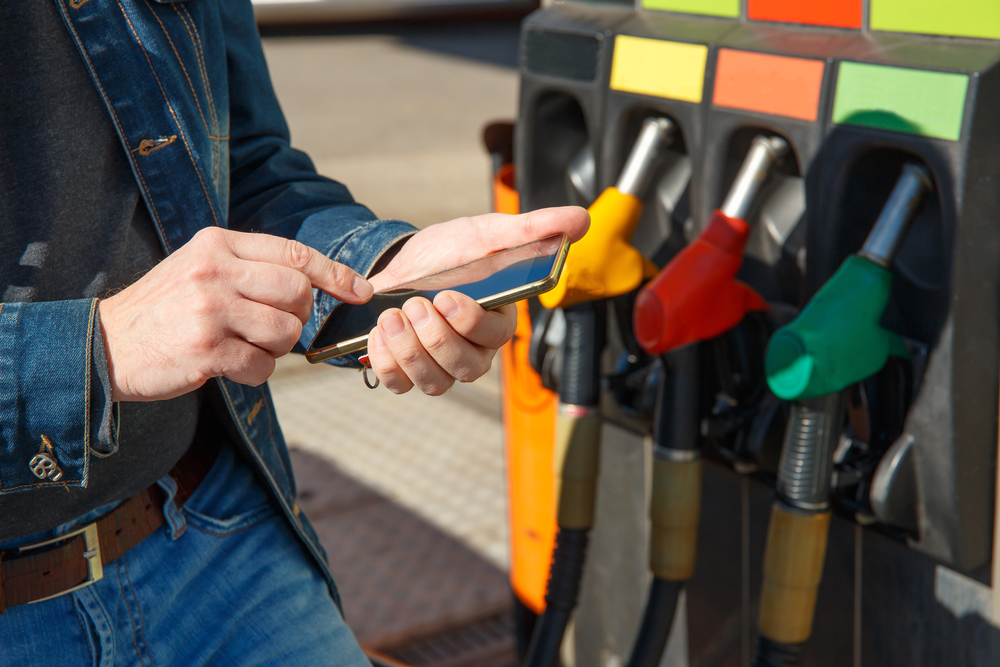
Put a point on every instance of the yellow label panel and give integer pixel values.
(658, 68)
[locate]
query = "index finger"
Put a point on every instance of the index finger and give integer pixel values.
(337, 280)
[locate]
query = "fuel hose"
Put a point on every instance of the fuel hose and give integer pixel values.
(600, 266)
(836, 341)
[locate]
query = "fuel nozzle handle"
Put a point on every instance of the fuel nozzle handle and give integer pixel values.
(603, 264)
(697, 296)
(836, 340)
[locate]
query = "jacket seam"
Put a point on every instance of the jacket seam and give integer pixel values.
(210, 99)
(86, 396)
(180, 62)
(199, 53)
(121, 133)
(166, 99)
(199, 56)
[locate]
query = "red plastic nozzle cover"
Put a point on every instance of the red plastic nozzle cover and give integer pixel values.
(696, 296)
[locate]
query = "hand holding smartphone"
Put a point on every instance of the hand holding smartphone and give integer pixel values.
(493, 281)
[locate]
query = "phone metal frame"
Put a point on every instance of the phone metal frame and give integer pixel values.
(488, 302)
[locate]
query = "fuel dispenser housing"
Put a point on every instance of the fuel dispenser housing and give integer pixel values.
(919, 510)
(947, 291)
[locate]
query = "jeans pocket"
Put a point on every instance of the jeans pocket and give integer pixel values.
(229, 499)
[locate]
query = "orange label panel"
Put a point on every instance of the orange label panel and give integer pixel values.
(769, 84)
(836, 13)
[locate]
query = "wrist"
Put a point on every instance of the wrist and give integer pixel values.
(103, 324)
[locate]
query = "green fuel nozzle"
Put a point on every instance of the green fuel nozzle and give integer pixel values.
(836, 340)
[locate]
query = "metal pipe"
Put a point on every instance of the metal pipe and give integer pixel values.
(897, 215)
(807, 454)
(763, 153)
(653, 136)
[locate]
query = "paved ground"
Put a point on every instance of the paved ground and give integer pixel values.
(407, 491)
(397, 113)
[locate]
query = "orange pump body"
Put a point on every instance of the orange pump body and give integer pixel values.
(696, 296)
(529, 413)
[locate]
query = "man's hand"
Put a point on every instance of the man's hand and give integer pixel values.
(225, 304)
(431, 346)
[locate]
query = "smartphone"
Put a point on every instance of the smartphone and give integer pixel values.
(493, 281)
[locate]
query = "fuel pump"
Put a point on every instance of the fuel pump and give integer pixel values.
(685, 293)
(835, 342)
(601, 265)
(696, 297)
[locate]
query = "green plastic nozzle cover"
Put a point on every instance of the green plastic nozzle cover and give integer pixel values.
(836, 340)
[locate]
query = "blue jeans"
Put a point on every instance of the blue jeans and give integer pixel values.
(224, 582)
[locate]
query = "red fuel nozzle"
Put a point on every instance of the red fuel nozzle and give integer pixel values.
(697, 296)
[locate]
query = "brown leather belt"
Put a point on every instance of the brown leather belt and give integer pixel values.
(36, 572)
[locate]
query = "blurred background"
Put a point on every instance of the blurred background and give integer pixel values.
(406, 492)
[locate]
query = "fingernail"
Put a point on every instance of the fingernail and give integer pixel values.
(447, 306)
(392, 325)
(362, 288)
(377, 341)
(417, 313)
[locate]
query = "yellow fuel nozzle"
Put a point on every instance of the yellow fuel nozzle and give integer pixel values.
(603, 264)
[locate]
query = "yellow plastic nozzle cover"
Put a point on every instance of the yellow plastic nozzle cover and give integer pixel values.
(603, 264)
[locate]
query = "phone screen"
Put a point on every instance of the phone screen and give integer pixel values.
(503, 272)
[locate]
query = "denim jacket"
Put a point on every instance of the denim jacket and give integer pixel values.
(187, 89)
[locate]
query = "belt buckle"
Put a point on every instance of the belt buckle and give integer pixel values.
(92, 544)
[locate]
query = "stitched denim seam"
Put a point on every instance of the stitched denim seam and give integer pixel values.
(210, 99)
(128, 607)
(257, 514)
(271, 412)
(138, 610)
(166, 99)
(199, 53)
(86, 634)
(121, 132)
(86, 396)
(180, 62)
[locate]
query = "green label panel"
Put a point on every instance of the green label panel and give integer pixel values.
(903, 100)
(728, 8)
(957, 18)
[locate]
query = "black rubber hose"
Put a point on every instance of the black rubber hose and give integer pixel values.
(775, 654)
(586, 328)
(656, 623)
(563, 590)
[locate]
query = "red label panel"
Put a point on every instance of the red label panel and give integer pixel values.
(836, 13)
(769, 84)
